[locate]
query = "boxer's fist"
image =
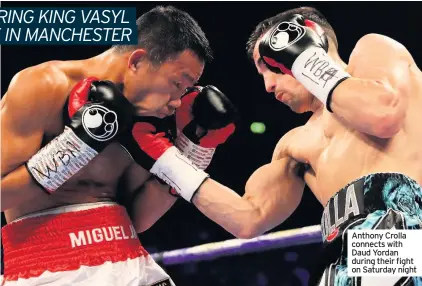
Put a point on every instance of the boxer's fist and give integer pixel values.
(282, 44)
(95, 112)
(154, 151)
(204, 120)
(298, 46)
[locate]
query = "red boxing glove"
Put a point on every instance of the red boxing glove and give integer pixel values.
(154, 151)
(204, 121)
(79, 95)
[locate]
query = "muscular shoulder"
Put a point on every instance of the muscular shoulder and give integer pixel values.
(281, 149)
(38, 86)
(35, 91)
(378, 48)
(46, 77)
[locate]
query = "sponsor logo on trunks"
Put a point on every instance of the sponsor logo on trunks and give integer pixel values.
(100, 234)
(338, 211)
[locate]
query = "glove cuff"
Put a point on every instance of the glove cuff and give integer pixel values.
(179, 172)
(318, 73)
(59, 160)
(199, 155)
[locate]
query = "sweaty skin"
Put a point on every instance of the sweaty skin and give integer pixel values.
(375, 127)
(31, 116)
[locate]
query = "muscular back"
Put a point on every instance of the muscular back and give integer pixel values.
(31, 116)
(339, 154)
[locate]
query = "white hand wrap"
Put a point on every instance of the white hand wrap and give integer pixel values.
(59, 160)
(318, 72)
(179, 172)
(199, 155)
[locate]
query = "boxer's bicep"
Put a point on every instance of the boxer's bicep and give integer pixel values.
(25, 109)
(277, 191)
(379, 67)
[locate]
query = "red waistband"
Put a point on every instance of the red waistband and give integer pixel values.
(66, 241)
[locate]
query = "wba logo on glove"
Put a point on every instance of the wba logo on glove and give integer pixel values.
(99, 122)
(285, 35)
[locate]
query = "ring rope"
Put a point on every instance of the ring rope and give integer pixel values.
(210, 251)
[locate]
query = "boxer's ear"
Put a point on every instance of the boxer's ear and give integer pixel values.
(136, 58)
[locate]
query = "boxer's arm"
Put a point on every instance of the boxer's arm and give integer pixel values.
(272, 194)
(31, 98)
(151, 204)
(147, 200)
(374, 100)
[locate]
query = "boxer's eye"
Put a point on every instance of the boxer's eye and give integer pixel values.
(177, 84)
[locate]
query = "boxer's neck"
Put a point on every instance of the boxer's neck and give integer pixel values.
(316, 104)
(108, 66)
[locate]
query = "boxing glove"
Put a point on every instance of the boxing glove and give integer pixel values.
(154, 150)
(204, 120)
(94, 114)
(299, 46)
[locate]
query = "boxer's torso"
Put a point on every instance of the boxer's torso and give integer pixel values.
(95, 182)
(337, 154)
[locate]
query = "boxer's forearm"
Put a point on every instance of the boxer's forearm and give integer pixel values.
(150, 204)
(369, 106)
(272, 194)
(18, 187)
(222, 205)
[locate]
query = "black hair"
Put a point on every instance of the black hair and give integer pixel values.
(307, 12)
(167, 31)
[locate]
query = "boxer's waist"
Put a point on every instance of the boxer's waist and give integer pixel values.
(67, 238)
(379, 191)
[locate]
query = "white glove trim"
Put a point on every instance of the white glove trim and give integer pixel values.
(199, 155)
(59, 160)
(318, 72)
(179, 172)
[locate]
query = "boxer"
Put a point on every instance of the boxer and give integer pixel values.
(62, 161)
(359, 153)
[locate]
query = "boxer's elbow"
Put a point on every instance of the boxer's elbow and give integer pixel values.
(143, 221)
(252, 227)
(387, 127)
(248, 232)
(142, 225)
(387, 120)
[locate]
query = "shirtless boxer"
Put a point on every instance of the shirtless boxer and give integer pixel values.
(77, 233)
(359, 153)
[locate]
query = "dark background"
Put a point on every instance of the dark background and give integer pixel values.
(228, 25)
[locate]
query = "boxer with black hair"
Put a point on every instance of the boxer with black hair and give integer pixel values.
(359, 153)
(73, 198)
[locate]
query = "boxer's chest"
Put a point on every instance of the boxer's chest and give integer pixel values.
(315, 142)
(338, 156)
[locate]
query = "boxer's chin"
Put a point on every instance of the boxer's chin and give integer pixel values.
(161, 115)
(142, 112)
(299, 109)
(158, 115)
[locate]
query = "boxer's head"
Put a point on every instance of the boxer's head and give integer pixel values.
(170, 56)
(286, 88)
